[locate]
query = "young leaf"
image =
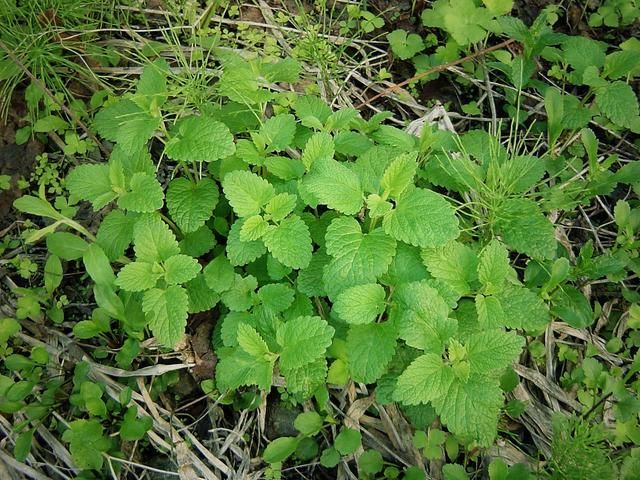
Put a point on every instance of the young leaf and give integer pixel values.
(618, 102)
(180, 269)
(191, 204)
(276, 297)
(251, 341)
(278, 132)
(280, 449)
(52, 275)
(240, 368)
(335, 185)
(145, 194)
(493, 266)
(126, 123)
(219, 274)
(360, 304)
(166, 311)
(454, 263)
(200, 139)
(399, 175)
(303, 339)
(115, 233)
(239, 252)
(290, 242)
(491, 351)
(97, 265)
(318, 150)
(427, 379)
(87, 443)
(523, 309)
(201, 297)
(153, 241)
(247, 192)
(357, 258)
(138, 276)
(66, 245)
(422, 218)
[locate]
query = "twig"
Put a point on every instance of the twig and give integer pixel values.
(436, 69)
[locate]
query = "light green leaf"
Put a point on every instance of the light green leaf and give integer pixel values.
(360, 304)
(525, 228)
(618, 102)
(52, 277)
(153, 241)
(493, 266)
(399, 175)
(50, 123)
(239, 297)
(280, 449)
(191, 204)
(166, 311)
(36, 206)
(145, 194)
(280, 206)
(454, 263)
(91, 183)
(422, 218)
(306, 380)
(253, 228)
(490, 312)
(276, 297)
(357, 258)
(139, 276)
(198, 242)
(309, 281)
(66, 245)
(180, 269)
(219, 274)
(303, 339)
(251, 341)
(499, 7)
(404, 45)
(426, 379)
(471, 409)
(290, 242)
(240, 368)
(87, 443)
(201, 297)
(247, 192)
(200, 139)
(115, 233)
(312, 111)
(335, 185)
(284, 168)
(318, 150)
(97, 265)
(239, 252)
(491, 351)
(523, 309)
(278, 132)
(370, 349)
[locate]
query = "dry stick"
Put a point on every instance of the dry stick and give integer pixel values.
(44, 88)
(436, 69)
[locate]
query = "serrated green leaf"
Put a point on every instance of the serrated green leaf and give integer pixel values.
(240, 368)
(318, 150)
(139, 276)
(335, 185)
(370, 349)
(422, 218)
(239, 297)
(306, 380)
(276, 297)
(309, 281)
(201, 297)
(310, 108)
(126, 123)
(153, 241)
(618, 102)
(239, 252)
(280, 206)
(426, 379)
(284, 168)
(247, 192)
(91, 183)
(491, 351)
(253, 228)
(200, 139)
(219, 274)
(360, 304)
(525, 228)
(191, 204)
(180, 269)
(251, 341)
(115, 233)
(87, 443)
(290, 242)
(303, 340)
(490, 312)
(166, 311)
(145, 194)
(493, 266)
(278, 132)
(523, 309)
(399, 175)
(454, 263)
(198, 242)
